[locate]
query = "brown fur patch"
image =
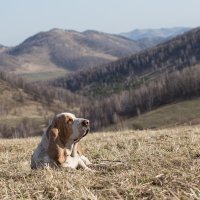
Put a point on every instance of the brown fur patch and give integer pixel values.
(58, 134)
(80, 150)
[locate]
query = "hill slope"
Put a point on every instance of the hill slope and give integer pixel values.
(59, 51)
(130, 72)
(25, 107)
(171, 87)
(176, 114)
(128, 161)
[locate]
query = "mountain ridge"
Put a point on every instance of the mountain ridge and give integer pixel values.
(153, 37)
(64, 50)
(54, 53)
(138, 34)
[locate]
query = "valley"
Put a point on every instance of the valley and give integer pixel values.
(132, 92)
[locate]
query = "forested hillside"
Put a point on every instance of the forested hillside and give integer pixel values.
(171, 87)
(166, 74)
(130, 72)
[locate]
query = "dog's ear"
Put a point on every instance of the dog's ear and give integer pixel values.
(56, 148)
(62, 124)
(58, 133)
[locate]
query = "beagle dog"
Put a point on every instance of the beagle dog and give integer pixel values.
(60, 144)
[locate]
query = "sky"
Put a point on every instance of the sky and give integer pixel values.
(20, 19)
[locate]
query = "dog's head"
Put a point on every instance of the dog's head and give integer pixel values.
(65, 127)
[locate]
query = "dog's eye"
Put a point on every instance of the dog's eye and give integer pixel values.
(70, 121)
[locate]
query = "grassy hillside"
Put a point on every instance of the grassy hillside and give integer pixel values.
(161, 164)
(180, 113)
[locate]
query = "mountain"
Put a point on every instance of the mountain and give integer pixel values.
(60, 51)
(51, 54)
(152, 37)
(130, 72)
(139, 34)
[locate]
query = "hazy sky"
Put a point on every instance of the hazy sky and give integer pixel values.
(20, 19)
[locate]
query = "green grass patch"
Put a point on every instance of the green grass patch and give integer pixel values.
(185, 112)
(43, 75)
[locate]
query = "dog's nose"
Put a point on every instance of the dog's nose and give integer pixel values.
(85, 123)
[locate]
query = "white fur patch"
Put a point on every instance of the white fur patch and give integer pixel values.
(75, 162)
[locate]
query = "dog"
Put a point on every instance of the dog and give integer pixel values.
(60, 144)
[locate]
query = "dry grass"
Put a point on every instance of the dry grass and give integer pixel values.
(161, 164)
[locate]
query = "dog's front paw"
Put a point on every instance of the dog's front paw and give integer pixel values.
(85, 160)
